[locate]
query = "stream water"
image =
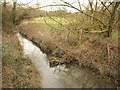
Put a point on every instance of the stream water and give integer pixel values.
(59, 77)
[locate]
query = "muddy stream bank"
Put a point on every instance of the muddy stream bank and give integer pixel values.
(60, 76)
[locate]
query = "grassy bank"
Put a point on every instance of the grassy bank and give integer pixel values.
(100, 55)
(17, 71)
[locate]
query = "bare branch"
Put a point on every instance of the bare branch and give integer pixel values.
(91, 3)
(54, 20)
(105, 6)
(50, 25)
(108, 6)
(79, 4)
(24, 4)
(96, 5)
(95, 31)
(116, 22)
(97, 11)
(71, 6)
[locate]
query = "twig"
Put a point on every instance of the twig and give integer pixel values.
(108, 51)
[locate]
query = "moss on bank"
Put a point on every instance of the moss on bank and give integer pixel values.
(17, 71)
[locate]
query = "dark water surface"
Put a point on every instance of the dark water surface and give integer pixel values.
(59, 77)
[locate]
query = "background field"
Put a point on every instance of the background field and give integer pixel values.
(56, 23)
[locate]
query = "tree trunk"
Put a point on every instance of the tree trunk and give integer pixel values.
(112, 18)
(109, 30)
(14, 13)
(3, 13)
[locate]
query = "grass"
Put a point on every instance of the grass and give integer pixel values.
(116, 36)
(51, 21)
(57, 24)
(53, 25)
(93, 47)
(17, 71)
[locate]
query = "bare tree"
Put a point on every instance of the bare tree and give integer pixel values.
(107, 9)
(14, 11)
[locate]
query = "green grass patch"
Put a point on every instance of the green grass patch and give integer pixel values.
(52, 20)
(116, 36)
(56, 23)
(52, 26)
